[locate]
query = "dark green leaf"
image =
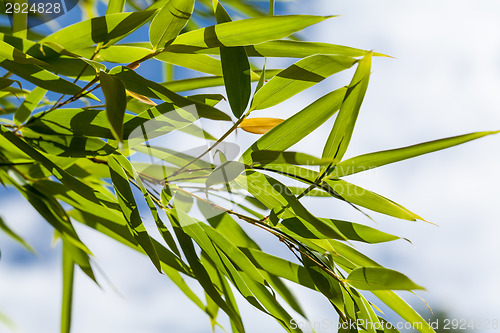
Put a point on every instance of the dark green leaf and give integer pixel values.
(116, 103)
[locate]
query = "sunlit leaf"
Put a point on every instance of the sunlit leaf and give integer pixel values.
(116, 103)
(299, 76)
(377, 159)
(169, 22)
(259, 125)
(379, 278)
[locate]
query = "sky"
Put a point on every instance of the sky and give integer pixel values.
(444, 80)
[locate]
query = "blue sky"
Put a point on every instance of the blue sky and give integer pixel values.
(443, 81)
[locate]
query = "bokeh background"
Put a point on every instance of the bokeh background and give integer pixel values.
(444, 80)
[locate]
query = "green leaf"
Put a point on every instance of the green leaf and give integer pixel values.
(4, 83)
(198, 62)
(340, 136)
(207, 81)
(326, 284)
(115, 6)
(73, 122)
(169, 22)
(263, 157)
(373, 201)
(164, 232)
(20, 20)
(244, 32)
(199, 270)
(377, 159)
(5, 228)
(68, 270)
(338, 229)
(29, 104)
(225, 173)
(131, 211)
(295, 128)
(271, 7)
(379, 278)
(41, 77)
(233, 253)
(300, 49)
(142, 86)
(116, 227)
(102, 29)
(235, 69)
(303, 74)
(286, 49)
(398, 305)
(116, 103)
(8, 52)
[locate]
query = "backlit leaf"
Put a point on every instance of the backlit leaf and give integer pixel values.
(116, 103)
(259, 125)
(379, 278)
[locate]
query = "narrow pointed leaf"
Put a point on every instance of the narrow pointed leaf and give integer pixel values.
(115, 6)
(169, 22)
(68, 271)
(130, 210)
(116, 103)
(244, 32)
(264, 157)
(364, 198)
(259, 125)
(299, 125)
(303, 74)
(339, 138)
(102, 29)
(379, 278)
(398, 305)
(28, 105)
(377, 159)
(235, 69)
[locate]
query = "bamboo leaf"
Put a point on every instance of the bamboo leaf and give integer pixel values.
(41, 77)
(102, 29)
(259, 125)
(169, 22)
(115, 6)
(377, 159)
(379, 278)
(4, 83)
(8, 52)
(244, 32)
(131, 211)
(275, 157)
(235, 69)
(29, 104)
(142, 86)
(337, 229)
(398, 305)
(20, 20)
(340, 136)
(68, 271)
(303, 74)
(116, 103)
(298, 126)
(286, 49)
(207, 81)
(364, 198)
